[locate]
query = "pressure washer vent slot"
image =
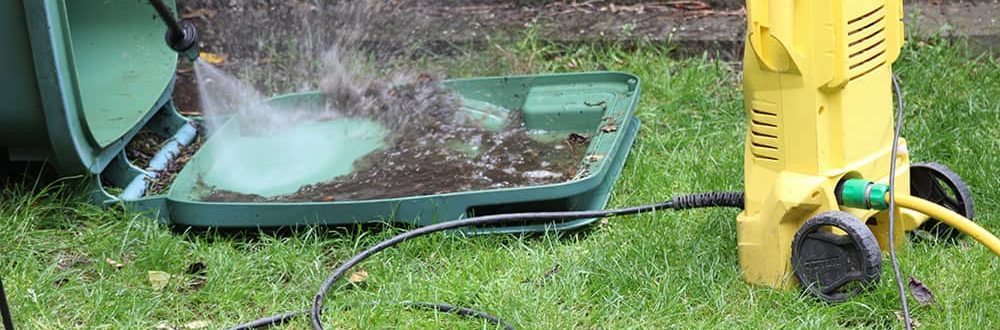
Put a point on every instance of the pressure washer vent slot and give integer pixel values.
(866, 43)
(765, 134)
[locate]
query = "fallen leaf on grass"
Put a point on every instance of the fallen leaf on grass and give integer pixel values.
(114, 263)
(913, 322)
(158, 280)
(193, 325)
(358, 276)
(921, 292)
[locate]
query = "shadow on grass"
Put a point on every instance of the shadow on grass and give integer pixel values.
(355, 232)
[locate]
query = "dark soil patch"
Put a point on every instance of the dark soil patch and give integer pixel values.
(426, 155)
(143, 147)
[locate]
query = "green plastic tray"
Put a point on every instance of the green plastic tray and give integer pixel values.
(83, 77)
(583, 103)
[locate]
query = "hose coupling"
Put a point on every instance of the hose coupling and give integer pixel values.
(184, 42)
(863, 194)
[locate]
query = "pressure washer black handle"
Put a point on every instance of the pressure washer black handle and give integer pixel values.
(182, 36)
(8, 322)
(167, 17)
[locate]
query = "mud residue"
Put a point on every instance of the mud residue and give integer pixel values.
(435, 148)
(143, 147)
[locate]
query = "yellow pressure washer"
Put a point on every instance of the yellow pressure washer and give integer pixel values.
(820, 146)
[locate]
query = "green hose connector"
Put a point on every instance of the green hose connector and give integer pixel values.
(863, 194)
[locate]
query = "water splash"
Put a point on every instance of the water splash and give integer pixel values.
(429, 144)
(224, 97)
(280, 46)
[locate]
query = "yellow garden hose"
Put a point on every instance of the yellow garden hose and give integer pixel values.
(950, 218)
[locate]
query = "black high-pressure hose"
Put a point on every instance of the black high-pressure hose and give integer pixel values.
(714, 199)
(8, 322)
(182, 36)
(167, 17)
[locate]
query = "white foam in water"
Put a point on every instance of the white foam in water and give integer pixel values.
(256, 148)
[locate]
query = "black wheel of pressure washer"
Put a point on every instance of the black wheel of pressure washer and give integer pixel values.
(940, 185)
(834, 266)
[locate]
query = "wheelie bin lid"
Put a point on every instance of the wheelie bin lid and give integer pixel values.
(83, 78)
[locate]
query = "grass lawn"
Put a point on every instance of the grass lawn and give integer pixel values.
(665, 270)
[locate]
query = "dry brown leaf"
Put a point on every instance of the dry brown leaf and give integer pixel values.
(913, 322)
(114, 263)
(212, 58)
(358, 276)
(921, 292)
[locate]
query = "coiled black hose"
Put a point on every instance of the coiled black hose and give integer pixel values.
(710, 199)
